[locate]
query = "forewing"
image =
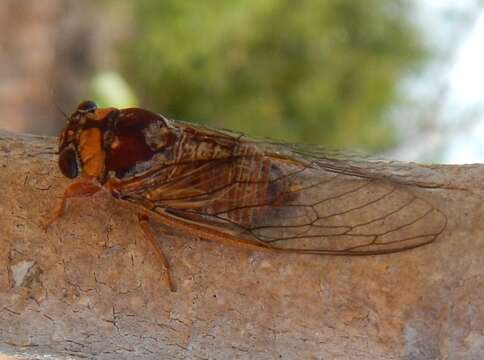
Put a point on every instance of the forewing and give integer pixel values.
(296, 198)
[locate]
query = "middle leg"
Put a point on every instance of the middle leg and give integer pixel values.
(150, 236)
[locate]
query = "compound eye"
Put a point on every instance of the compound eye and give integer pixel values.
(68, 163)
(86, 106)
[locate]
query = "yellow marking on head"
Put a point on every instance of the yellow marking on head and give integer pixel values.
(101, 114)
(91, 154)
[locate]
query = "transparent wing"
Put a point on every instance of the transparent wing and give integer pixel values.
(296, 198)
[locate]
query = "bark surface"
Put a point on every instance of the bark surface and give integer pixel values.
(91, 286)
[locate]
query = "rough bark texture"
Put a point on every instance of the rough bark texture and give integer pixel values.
(91, 286)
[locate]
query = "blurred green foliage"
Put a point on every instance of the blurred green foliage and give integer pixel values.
(323, 72)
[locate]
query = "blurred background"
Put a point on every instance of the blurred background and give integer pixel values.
(400, 78)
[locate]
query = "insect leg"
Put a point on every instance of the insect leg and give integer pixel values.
(148, 233)
(78, 189)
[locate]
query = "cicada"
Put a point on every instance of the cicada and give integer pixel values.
(253, 194)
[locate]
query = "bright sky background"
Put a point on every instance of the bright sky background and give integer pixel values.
(467, 91)
(461, 116)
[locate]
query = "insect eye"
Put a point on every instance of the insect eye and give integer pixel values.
(86, 106)
(68, 163)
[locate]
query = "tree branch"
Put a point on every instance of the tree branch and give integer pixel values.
(91, 287)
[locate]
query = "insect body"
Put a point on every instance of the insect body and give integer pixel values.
(254, 194)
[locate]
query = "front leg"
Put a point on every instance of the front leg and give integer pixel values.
(85, 187)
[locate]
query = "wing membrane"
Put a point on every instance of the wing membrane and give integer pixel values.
(292, 197)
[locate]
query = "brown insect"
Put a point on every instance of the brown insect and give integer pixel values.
(254, 194)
